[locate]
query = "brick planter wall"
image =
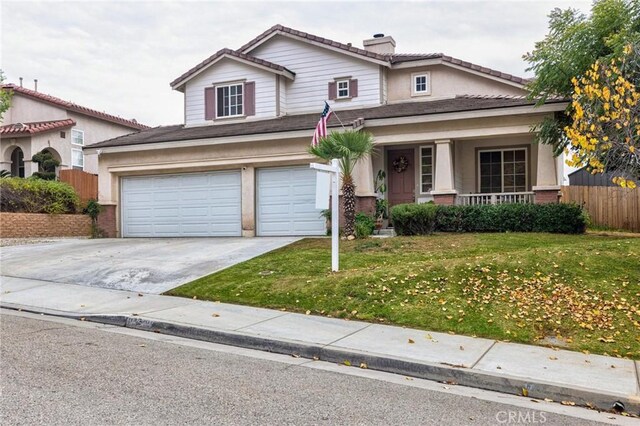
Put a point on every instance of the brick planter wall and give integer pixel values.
(26, 225)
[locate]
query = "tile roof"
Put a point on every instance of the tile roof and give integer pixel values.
(398, 58)
(309, 121)
(24, 129)
(70, 106)
(391, 59)
(233, 53)
(311, 37)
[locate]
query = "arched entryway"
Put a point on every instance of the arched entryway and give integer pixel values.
(17, 163)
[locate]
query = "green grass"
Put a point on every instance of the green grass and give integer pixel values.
(581, 290)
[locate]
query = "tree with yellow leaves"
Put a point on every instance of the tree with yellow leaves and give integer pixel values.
(604, 135)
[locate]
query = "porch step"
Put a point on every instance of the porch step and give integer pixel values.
(384, 233)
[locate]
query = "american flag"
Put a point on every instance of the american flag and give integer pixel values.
(321, 127)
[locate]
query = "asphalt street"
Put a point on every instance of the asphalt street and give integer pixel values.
(57, 371)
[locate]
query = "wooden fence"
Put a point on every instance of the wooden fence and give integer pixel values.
(85, 184)
(608, 206)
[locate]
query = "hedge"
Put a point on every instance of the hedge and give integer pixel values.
(553, 217)
(33, 195)
(414, 219)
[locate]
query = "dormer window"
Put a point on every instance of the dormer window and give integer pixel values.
(420, 84)
(343, 89)
(229, 99)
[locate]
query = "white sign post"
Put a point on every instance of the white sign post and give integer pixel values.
(323, 190)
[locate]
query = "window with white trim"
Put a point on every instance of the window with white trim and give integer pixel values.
(229, 100)
(77, 137)
(420, 84)
(342, 89)
(426, 169)
(77, 158)
(502, 170)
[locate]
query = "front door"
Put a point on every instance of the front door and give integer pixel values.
(401, 176)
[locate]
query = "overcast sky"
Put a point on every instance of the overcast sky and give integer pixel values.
(119, 57)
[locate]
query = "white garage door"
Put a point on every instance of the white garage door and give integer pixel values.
(184, 205)
(286, 202)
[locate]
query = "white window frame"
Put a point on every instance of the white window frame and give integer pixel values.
(502, 150)
(81, 132)
(229, 85)
(433, 165)
(81, 156)
(414, 77)
(348, 89)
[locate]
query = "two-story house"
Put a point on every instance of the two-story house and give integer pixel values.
(445, 130)
(36, 121)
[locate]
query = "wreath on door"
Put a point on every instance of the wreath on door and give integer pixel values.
(400, 164)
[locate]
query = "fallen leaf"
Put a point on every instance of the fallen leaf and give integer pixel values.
(567, 403)
(308, 313)
(411, 341)
(553, 358)
(143, 345)
(347, 363)
(461, 348)
(525, 392)
(82, 319)
(363, 365)
(295, 355)
(215, 315)
(194, 297)
(315, 358)
(548, 400)
(140, 294)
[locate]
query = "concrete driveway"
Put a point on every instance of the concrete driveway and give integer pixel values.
(136, 264)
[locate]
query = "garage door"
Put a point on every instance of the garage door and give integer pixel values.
(286, 202)
(184, 205)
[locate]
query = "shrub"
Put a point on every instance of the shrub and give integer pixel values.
(413, 219)
(37, 196)
(364, 225)
(553, 217)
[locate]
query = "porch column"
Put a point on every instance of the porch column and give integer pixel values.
(365, 192)
(444, 191)
(248, 202)
(547, 189)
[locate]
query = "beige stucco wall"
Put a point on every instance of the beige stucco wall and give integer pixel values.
(8, 145)
(24, 110)
(445, 82)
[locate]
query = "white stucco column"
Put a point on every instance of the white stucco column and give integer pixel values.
(444, 178)
(248, 202)
(548, 180)
(363, 177)
(547, 172)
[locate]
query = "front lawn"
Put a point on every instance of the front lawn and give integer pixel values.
(581, 292)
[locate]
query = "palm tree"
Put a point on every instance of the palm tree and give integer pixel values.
(348, 147)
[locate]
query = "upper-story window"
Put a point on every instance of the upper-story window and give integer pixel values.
(77, 137)
(343, 89)
(229, 99)
(420, 84)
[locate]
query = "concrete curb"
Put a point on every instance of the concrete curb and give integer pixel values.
(539, 389)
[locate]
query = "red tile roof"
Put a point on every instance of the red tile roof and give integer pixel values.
(233, 53)
(70, 106)
(24, 129)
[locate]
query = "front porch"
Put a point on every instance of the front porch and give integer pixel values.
(498, 170)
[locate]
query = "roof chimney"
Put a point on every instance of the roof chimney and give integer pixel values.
(380, 44)
(35, 84)
(20, 81)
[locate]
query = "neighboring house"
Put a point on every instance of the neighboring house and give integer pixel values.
(445, 130)
(582, 177)
(36, 122)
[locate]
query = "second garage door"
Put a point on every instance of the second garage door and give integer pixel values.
(182, 205)
(286, 198)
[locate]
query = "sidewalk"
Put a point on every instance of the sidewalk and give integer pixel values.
(592, 380)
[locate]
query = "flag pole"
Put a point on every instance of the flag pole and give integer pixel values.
(338, 118)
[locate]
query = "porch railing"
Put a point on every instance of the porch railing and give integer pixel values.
(495, 198)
